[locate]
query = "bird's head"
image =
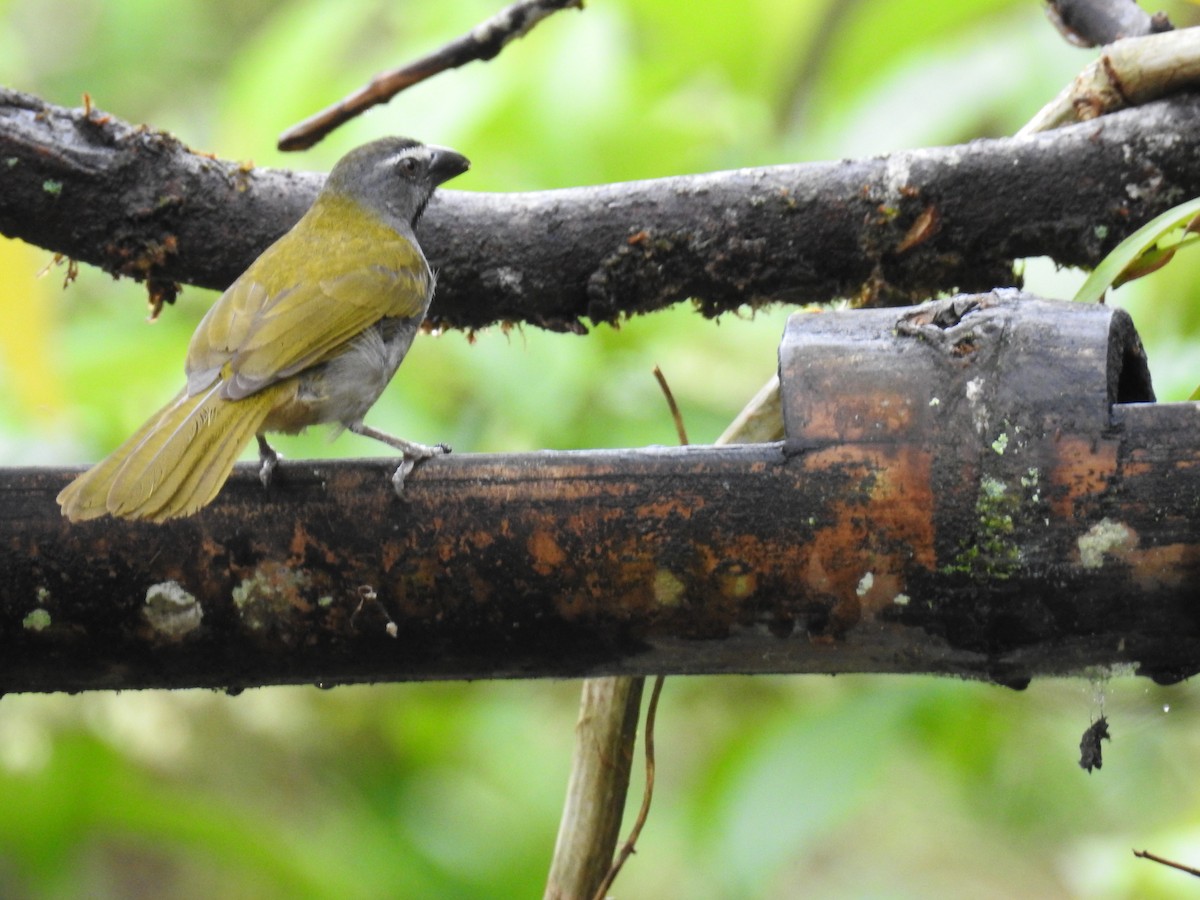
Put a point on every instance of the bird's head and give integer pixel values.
(395, 176)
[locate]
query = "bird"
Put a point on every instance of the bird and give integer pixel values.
(311, 333)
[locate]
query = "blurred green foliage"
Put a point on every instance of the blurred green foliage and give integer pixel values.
(767, 787)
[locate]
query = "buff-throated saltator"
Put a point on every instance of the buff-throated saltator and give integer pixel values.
(311, 333)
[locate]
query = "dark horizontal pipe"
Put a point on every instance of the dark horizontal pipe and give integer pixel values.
(735, 559)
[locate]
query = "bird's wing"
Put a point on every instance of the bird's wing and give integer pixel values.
(274, 322)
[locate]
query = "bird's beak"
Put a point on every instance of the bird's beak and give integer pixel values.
(446, 164)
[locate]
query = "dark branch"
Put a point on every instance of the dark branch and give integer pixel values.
(1089, 23)
(1162, 860)
(136, 202)
(483, 42)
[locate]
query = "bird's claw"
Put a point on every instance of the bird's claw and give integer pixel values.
(406, 466)
(270, 459)
(410, 462)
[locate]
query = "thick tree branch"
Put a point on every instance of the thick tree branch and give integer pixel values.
(139, 203)
(957, 494)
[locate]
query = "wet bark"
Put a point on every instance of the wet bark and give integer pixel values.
(886, 230)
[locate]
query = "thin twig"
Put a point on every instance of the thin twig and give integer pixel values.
(482, 42)
(680, 428)
(1146, 854)
(630, 845)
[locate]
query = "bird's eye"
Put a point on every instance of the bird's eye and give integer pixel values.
(408, 166)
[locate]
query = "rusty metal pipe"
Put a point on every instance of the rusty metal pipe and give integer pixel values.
(963, 489)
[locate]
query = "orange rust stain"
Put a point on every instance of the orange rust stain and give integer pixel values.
(737, 580)
(545, 553)
(299, 541)
(634, 576)
(1082, 471)
(902, 498)
(1139, 469)
(666, 507)
(481, 539)
(1142, 462)
(852, 419)
(882, 593)
(1159, 567)
(210, 549)
(302, 542)
(1155, 568)
(860, 559)
(1139, 464)
(732, 572)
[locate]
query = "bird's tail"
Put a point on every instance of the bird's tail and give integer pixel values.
(175, 463)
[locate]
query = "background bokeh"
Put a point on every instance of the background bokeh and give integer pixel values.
(767, 787)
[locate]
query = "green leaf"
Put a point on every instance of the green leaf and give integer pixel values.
(1131, 250)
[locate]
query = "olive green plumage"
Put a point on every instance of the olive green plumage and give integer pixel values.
(311, 333)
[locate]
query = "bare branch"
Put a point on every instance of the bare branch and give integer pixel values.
(600, 768)
(1129, 72)
(1088, 23)
(483, 42)
(1146, 854)
(630, 845)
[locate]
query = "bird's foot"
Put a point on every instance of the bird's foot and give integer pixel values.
(413, 454)
(269, 458)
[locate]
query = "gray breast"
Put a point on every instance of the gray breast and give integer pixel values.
(353, 381)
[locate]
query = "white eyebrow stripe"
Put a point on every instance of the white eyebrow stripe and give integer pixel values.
(406, 152)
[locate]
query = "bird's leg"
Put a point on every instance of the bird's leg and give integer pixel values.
(408, 448)
(270, 459)
(413, 452)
